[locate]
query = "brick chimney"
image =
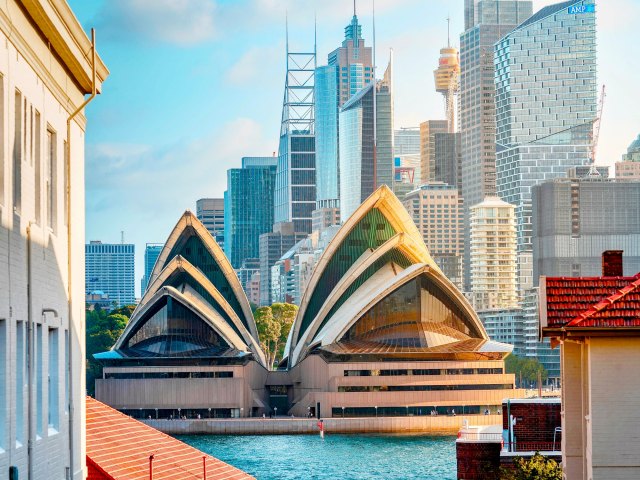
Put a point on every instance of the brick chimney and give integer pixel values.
(612, 263)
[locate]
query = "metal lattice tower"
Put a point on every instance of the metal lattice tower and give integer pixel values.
(295, 192)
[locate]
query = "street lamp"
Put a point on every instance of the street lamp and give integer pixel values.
(342, 412)
(156, 413)
(309, 412)
(376, 407)
(179, 415)
(209, 412)
(275, 409)
(241, 412)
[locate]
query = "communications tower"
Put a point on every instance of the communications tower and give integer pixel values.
(447, 79)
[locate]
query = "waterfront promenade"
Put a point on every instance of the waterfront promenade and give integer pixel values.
(417, 425)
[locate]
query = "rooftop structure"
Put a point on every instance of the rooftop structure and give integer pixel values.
(110, 268)
(596, 322)
(210, 211)
(119, 447)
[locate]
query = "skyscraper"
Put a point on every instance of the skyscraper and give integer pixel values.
(436, 209)
(272, 246)
(349, 69)
(109, 268)
(428, 131)
(493, 255)
(447, 158)
(151, 252)
(248, 207)
(546, 98)
(485, 23)
(210, 211)
(295, 187)
(363, 165)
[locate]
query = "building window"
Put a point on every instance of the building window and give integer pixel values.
(51, 182)
(2, 166)
(17, 154)
(39, 381)
(53, 382)
(38, 159)
(3, 382)
(20, 384)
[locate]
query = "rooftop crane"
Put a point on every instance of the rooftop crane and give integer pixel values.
(593, 171)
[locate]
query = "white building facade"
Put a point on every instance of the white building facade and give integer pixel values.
(45, 72)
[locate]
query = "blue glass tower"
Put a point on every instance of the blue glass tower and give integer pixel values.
(248, 209)
(349, 69)
(151, 252)
(546, 102)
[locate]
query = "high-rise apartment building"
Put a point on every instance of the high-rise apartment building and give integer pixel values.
(485, 23)
(109, 268)
(210, 211)
(364, 162)
(46, 71)
(437, 211)
(546, 102)
(493, 255)
(151, 253)
(629, 167)
(272, 246)
(428, 131)
(248, 207)
(575, 220)
(248, 272)
(295, 187)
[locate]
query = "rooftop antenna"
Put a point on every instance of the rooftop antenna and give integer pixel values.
(354, 8)
(375, 107)
(122, 237)
(448, 35)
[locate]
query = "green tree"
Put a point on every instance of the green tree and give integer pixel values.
(102, 331)
(525, 369)
(274, 324)
(538, 467)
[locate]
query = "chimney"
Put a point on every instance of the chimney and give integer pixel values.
(612, 263)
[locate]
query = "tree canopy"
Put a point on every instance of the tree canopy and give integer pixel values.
(538, 467)
(274, 324)
(102, 330)
(525, 369)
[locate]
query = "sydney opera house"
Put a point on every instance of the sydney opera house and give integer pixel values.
(380, 331)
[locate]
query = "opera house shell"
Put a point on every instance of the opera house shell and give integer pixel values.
(380, 331)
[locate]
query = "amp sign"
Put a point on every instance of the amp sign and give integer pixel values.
(581, 9)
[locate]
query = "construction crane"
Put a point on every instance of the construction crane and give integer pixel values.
(593, 171)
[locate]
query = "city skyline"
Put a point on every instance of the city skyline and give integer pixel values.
(151, 145)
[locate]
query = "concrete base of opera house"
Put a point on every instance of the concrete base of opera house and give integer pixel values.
(418, 425)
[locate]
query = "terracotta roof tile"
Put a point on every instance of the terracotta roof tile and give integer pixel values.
(120, 447)
(598, 302)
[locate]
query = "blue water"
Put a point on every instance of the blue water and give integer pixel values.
(344, 457)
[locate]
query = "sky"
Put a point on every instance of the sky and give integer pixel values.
(195, 85)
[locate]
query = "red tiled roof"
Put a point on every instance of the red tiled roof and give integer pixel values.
(598, 302)
(119, 448)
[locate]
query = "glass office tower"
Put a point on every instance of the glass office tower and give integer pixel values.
(327, 176)
(349, 69)
(546, 102)
(485, 23)
(362, 171)
(248, 207)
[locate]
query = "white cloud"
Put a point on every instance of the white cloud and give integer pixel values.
(179, 22)
(250, 67)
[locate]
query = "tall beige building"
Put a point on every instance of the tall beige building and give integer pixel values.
(428, 132)
(46, 70)
(437, 211)
(493, 255)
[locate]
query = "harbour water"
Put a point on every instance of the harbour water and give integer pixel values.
(345, 457)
